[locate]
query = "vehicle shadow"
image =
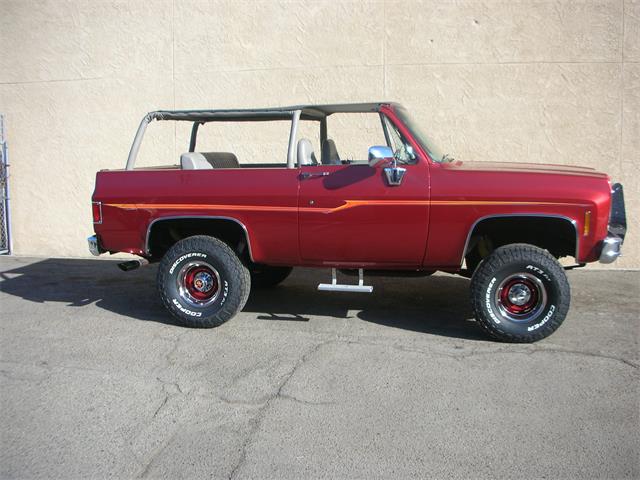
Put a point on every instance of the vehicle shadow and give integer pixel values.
(430, 305)
(424, 304)
(78, 282)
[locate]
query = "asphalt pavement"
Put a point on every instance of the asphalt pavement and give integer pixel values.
(97, 382)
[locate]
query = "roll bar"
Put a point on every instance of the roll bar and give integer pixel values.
(203, 116)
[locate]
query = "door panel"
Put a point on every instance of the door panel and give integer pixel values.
(349, 215)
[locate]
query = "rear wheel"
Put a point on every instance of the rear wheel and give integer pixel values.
(520, 293)
(265, 276)
(202, 282)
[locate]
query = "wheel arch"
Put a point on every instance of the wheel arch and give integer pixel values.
(482, 224)
(210, 223)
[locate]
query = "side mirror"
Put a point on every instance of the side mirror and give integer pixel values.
(378, 154)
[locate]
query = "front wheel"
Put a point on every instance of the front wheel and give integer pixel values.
(520, 293)
(202, 282)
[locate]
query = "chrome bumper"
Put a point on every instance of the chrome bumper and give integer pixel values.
(612, 244)
(94, 245)
(611, 249)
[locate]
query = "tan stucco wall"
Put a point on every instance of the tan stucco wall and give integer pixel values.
(522, 80)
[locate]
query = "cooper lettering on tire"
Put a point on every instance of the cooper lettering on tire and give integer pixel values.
(202, 282)
(520, 293)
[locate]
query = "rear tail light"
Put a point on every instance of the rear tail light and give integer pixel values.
(97, 212)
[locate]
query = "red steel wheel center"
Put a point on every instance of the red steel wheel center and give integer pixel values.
(201, 283)
(519, 296)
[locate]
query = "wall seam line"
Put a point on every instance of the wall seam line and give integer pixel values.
(621, 147)
(173, 70)
(384, 50)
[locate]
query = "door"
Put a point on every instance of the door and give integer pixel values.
(349, 215)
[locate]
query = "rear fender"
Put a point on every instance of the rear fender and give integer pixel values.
(156, 222)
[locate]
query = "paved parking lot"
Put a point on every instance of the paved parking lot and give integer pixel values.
(97, 382)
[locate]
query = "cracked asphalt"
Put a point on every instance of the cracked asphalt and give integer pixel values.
(96, 381)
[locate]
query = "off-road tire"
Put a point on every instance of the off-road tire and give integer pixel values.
(492, 305)
(267, 276)
(227, 272)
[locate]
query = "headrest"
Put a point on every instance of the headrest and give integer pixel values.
(329, 153)
(305, 153)
(194, 161)
(222, 159)
(208, 160)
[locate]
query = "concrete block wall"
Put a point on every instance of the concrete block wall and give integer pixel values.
(547, 81)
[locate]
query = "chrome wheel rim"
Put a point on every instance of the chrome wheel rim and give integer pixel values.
(198, 283)
(521, 297)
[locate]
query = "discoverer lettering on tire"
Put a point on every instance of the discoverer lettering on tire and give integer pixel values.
(488, 301)
(202, 282)
(189, 255)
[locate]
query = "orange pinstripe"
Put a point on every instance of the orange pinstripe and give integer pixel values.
(348, 204)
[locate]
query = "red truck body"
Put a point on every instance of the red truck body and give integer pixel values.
(220, 228)
(355, 219)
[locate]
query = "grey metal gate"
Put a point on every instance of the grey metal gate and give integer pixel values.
(5, 221)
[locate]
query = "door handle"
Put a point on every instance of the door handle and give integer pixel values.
(394, 175)
(305, 175)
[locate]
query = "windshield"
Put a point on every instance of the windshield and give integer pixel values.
(435, 153)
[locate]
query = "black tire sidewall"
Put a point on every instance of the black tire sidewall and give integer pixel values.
(234, 281)
(522, 328)
(172, 294)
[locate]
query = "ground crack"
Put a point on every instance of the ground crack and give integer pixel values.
(176, 343)
(148, 463)
(256, 422)
(167, 394)
(587, 354)
(304, 402)
(503, 351)
(170, 390)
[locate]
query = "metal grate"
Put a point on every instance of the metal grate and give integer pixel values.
(5, 233)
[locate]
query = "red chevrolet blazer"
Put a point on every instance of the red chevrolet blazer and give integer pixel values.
(219, 224)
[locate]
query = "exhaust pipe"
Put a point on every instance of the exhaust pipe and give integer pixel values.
(133, 264)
